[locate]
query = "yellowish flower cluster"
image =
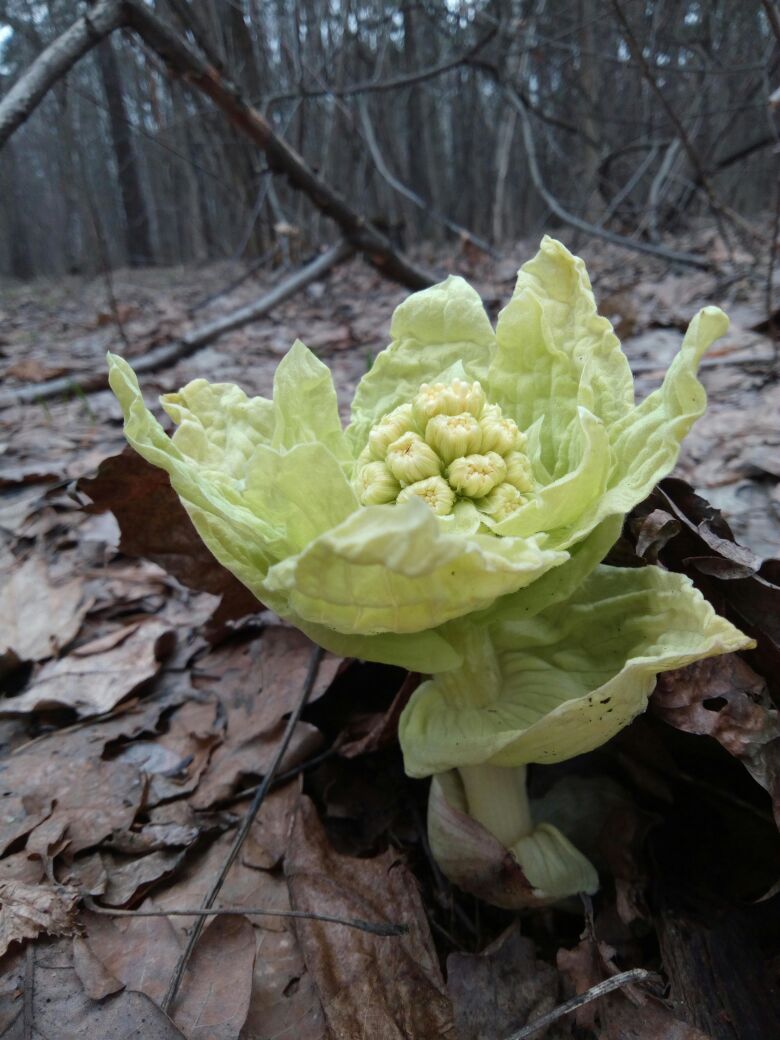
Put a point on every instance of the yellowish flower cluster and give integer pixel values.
(445, 446)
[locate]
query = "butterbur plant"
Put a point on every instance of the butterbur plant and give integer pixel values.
(454, 528)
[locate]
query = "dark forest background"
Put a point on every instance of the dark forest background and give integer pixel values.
(502, 118)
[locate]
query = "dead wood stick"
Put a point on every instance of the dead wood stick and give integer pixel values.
(53, 62)
(243, 830)
(190, 342)
(183, 61)
(583, 225)
(599, 990)
(373, 928)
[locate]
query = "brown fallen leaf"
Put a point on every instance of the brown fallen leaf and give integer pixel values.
(258, 684)
(216, 990)
(724, 698)
(626, 1013)
(95, 677)
(140, 952)
(97, 980)
(28, 910)
(125, 484)
(369, 986)
(500, 990)
(37, 615)
(128, 878)
(92, 796)
(20, 815)
(59, 1007)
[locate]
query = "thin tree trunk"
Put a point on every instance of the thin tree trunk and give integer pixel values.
(137, 238)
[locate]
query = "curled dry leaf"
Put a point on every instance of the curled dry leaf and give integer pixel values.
(369, 986)
(95, 677)
(37, 615)
(725, 699)
(500, 990)
(125, 484)
(28, 910)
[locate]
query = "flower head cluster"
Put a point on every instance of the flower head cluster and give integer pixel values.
(451, 449)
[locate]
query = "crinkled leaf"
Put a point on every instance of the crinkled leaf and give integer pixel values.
(393, 569)
(431, 331)
(556, 353)
(565, 681)
(305, 406)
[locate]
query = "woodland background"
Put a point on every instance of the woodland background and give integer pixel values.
(196, 183)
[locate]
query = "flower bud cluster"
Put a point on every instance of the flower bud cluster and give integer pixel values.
(446, 445)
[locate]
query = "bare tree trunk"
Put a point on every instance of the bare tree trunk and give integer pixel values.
(137, 239)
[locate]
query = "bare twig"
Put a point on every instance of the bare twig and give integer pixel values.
(373, 86)
(720, 211)
(773, 16)
(52, 63)
(243, 831)
(387, 930)
(592, 229)
(370, 138)
(169, 353)
(625, 978)
(182, 60)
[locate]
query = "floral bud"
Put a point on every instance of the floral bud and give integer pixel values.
(411, 459)
(435, 492)
(498, 434)
(502, 500)
(448, 399)
(476, 475)
(519, 472)
(454, 435)
(389, 428)
(377, 484)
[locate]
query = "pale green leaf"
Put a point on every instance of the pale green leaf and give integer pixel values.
(564, 681)
(394, 569)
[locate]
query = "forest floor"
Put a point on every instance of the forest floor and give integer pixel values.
(140, 711)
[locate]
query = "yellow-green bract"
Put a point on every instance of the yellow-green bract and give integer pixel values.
(484, 473)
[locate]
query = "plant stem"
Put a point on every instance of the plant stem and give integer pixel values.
(496, 797)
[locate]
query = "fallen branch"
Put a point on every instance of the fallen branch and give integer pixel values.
(625, 978)
(182, 60)
(52, 63)
(386, 930)
(583, 225)
(169, 353)
(370, 138)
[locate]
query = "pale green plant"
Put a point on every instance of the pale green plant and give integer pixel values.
(482, 478)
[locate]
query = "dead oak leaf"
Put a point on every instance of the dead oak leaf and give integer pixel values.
(722, 697)
(216, 990)
(95, 677)
(37, 615)
(500, 990)
(28, 910)
(368, 985)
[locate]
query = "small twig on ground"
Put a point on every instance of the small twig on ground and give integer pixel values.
(625, 978)
(243, 831)
(233, 283)
(169, 353)
(387, 930)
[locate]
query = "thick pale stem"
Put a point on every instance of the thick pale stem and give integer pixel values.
(496, 797)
